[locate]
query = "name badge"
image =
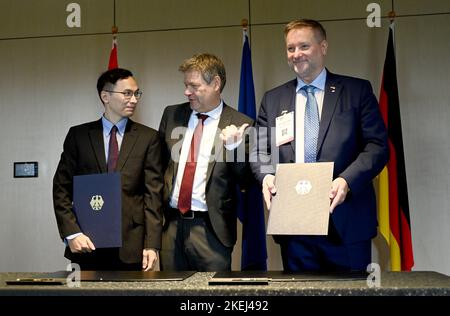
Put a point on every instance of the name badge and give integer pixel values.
(284, 126)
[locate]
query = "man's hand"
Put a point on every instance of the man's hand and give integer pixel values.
(338, 192)
(149, 257)
(81, 244)
(268, 189)
(232, 135)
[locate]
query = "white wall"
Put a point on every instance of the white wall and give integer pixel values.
(50, 71)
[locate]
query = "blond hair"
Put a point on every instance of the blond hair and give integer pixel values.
(318, 29)
(208, 65)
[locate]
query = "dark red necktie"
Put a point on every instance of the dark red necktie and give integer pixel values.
(185, 196)
(113, 153)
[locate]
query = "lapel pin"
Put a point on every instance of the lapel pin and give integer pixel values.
(333, 88)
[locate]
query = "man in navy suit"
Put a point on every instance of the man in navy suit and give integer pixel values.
(350, 133)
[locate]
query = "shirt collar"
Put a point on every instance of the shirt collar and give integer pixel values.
(214, 113)
(318, 83)
(107, 125)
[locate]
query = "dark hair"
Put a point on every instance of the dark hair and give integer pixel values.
(208, 65)
(319, 30)
(109, 78)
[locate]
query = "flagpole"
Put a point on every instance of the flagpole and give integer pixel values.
(114, 13)
(393, 204)
(114, 31)
(244, 23)
(392, 16)
(113, 62)
(250, 207)
(114, 28)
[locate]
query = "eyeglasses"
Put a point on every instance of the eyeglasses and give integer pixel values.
(128, 93)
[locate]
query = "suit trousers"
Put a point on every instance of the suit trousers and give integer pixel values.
(190, 244)
(322, 253)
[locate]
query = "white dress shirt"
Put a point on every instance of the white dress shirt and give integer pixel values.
(210, 127)
(300, 104)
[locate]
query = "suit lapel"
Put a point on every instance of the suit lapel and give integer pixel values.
(181, 120)
(333, 89)
(129, 140)
(97, 144)
(287, 103)
(217, 150)
(287, 99)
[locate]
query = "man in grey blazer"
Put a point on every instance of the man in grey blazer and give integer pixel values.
(139, 163)
(200, 214)
(350, 133)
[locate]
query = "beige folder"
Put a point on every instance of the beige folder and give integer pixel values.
(301, 205)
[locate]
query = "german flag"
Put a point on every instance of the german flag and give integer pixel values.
(393, 206)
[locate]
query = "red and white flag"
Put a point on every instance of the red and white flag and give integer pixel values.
(113, 63)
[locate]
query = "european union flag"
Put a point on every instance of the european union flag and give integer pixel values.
(250, 202)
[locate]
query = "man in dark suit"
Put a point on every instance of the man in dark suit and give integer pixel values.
(86, 151)
(350, 132)
(200, 194)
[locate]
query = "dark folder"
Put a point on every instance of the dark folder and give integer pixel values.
(41, 279)
(60, 277)
(97, 204)
(239, 278)
(284, 276)
(265, 277)
(134, 276)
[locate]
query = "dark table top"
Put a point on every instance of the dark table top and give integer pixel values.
(417, 283)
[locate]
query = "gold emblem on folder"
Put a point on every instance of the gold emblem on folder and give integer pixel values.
(97, 202)
(303, 187)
